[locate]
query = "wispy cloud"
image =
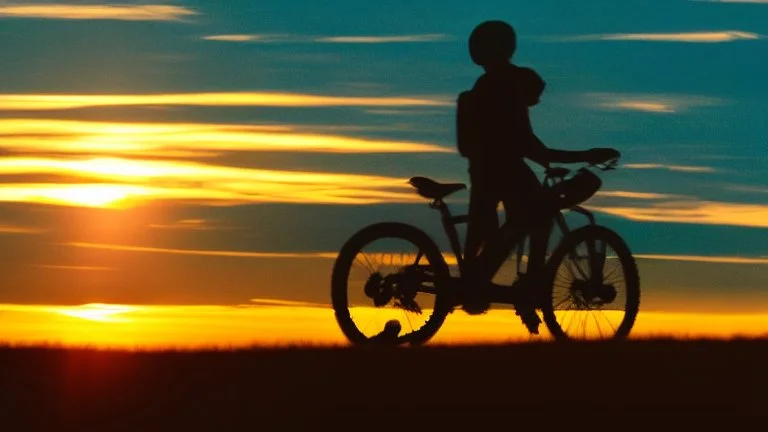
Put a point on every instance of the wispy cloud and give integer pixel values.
(289, 303)
(385, 39)
(383, 258)
(633, 195)
(74, 268)
(123, 182)
(219, 253)
(749, 189)
(695, 212)
(186, 224)
(689, 37)
(704, 258)
(733, 1)
(653, 103)
(679, 168)
(36, 102)
(17, 229)
(125, 12)
(358, 39)
(246, 37)
(185, 139)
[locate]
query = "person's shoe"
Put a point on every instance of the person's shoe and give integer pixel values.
(388, 336)
(475, 305)
(526, 304)
(473, 298)
(530, 318)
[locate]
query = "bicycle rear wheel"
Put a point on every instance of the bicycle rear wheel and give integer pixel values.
(592, 290)
(390, 271)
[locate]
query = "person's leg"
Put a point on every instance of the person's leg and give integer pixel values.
(482, 219)
(482, 222)
(539, 241)
(528, 207)
(520, 215)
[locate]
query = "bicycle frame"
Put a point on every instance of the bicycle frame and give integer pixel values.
(492, 257)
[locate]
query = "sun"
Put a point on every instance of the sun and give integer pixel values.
(96, 196)
(91, 195)
(97, 312)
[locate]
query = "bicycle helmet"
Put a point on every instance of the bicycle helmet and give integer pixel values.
(492, 42)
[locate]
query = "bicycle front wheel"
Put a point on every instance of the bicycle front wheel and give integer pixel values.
(390, 272)
(592, 288)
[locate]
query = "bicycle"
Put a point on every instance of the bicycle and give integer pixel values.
(581, 275)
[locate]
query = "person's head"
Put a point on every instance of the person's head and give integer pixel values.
(492, 43)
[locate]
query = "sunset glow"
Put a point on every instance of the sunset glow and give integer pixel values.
(189, 327)
(187, 173)
(79, 137)
(25, 102)
(190, 181)
(97, 312)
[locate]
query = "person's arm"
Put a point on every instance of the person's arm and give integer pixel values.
(538, 152)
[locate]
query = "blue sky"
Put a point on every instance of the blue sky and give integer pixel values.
(364, 89)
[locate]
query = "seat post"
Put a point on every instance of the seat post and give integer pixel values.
(449, 226)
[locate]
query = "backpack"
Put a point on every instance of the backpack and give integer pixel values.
(474, 121)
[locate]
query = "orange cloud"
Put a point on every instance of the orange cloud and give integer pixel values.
(219, 253)
(415, 38)
(185, 224)
(688, 37)
(16, 229)
(654, 103)
(124, 182)
(706, 259)
(705, 37)
(242, 38)
(374, 258)
(680, 168)
(180, 139)
(96, 12)
(76, 268)
(698, 212)
(33, 102)
(632, 195)
(384, 39)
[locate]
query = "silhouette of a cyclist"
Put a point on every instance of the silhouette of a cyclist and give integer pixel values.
(494, 133)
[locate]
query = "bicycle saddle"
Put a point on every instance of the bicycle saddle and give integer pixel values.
(431, 189)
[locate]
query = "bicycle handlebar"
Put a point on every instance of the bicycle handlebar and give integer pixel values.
(607, 165)
(602, 166)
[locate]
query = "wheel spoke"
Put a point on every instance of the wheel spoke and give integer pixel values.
(590, 254)
(408, 278)
(367, 264)
(598, 326)
(372, 319)
(608, 321)
(615, 269)
(561, 302)
(407, 318)
(567, 310)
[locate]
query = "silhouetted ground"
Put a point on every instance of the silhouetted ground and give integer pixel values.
(584, 385)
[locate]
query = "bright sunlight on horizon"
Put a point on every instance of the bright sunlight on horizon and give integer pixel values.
(186, 174)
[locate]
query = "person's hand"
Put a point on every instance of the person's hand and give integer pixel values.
(601, 155)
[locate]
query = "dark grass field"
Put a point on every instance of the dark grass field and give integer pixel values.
(701, 382)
